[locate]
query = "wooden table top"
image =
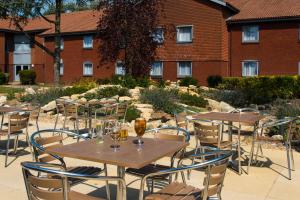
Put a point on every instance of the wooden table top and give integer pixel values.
(249, 118)
(4, 109)
(127, 156)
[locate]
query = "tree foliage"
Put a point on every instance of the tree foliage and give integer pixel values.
(126, 33)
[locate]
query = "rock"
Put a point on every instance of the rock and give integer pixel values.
(107, 101)
(3, 100)
(75, 96)
(161, 116)
(194, 93)
(152, 87)
(204, 88)
(49, 107)
(225, 107)
(277, 137)
(82, 100)
(115, 97)
(94, 90)
(125, 98)
(139, 105)
(192, 87)
(183, 89)
(65, 97)
(135, 93)
(30, 91)
(213, 104)
(93, 101)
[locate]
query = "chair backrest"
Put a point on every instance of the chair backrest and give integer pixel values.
(52, 183)
(35, 113)
(208, 133)
(170, 133)
(70, 109)
(181, 120)
(215, 163)
(60, 104)
(44, 139)
(18, 121)
(121, 110)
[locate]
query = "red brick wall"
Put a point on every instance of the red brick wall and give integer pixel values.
(2, 52)
(278, 50)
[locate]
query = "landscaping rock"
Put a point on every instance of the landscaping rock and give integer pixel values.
(225, 107)
(139, 105)
(30, 91)
(65, 97)
(49, 107)
(125, 98)
(277, 137)
(204, 88)
(75, 96)
(94, 90)
(145, 109)
(115, 97)
(160, 115)
(82, 100)
(183, 89)
(135, 93)
(3, 100)
(192, 87)
(93, 101)
(213, 104)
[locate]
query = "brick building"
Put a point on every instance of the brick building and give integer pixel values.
(229, 38)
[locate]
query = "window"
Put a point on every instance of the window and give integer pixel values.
(158, 35)
(157, 69)
(298, 68)
(184, 34)
(184, 68)
(61, 68)
(88, 42)
(250, 68)
(62, 44)
(87, 69)
(120, 69)
(250, 34)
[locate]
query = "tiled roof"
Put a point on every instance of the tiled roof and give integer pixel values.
(81, 21)
(264, 9)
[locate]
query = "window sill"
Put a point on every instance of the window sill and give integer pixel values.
(87, 48)
(88, 75)
(187, 42)
(156, 76)
(183, 76)
(250, 42)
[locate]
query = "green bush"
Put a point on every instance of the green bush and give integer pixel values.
(193, 100)
(87, 83)
(103, 81)
(188, 81)
(132, 114)
(161, 83)
(27, 77)
(107, 93)
(214, 81)
(161, 99)
(263, 89)
(233, 97)
(3, 78)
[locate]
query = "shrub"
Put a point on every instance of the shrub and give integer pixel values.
(188, 81)
(3, 78)
(107, 92)
(232, 97)
(161, 83)
(27, 77)
(132, 114)
(103, 81)
(193, 100)
(143, 82)
(161, 99)
(87, 83)
(214, 81)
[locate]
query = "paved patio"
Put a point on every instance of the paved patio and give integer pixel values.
(267, 182)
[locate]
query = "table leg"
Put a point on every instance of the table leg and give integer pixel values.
(239, 151)
(2, 119)
(121, 173)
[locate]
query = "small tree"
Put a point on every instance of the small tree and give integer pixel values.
(126, 31)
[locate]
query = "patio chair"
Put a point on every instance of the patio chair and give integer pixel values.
(53, 183)
(181, 120)
(17, 125)
(34, 115)
(215, 169)
(121, 111)
(164, 133)
(44, 139)
(60, 109)
(285, 126)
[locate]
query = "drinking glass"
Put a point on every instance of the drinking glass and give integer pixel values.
(115, 135)
(99, 133)
(139, 127)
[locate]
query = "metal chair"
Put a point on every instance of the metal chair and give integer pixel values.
(121, 111)
(60, 109)
(44, 139)
(164, 133)
(17, 125)
(53, 183)
(215, 169)
(181, 120)
(284, 125)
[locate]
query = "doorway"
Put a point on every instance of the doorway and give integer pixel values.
(17, 70)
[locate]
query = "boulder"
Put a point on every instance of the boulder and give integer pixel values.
(94, 90)
(192, 87)
(277, 137)
(115, 97)
(160, 115)
(3, 100)
(49, 107)
(213, 104)
(204, 88)
(183, 89)
(93, 101)
(75, 96)
(140, 105)
(225, 107)
(125, 98)
(65, 97)
(135, 93)
(29, 90)
(82, 100)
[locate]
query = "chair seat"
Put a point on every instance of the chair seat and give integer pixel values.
(86, 170)
(268, 139)
(79, 196)
(177, 191)
(223, 145)
(4, 132)
(148, 169)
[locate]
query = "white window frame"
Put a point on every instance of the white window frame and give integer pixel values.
(243, 34)
(163, 36)
(116, 69)
(299, 68)
(62, 68)
(257, 66)
(162, 69)
(62, 44)
(87, 47)
(184, 26)
(83, 72)
(182, 76)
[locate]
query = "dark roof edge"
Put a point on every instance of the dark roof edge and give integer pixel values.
(271, 19)
(225, 4)
(70, 33)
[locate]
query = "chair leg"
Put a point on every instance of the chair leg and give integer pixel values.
(292, 158)
(16, 144)
(288, 160)
(7, 149)
(250, 156)
(256, 155)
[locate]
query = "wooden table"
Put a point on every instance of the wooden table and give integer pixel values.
(129, 155)
(248, 118)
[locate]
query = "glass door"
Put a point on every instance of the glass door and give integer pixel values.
(17, 70)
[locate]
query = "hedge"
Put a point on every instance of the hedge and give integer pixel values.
(27, 77)
(264, 89)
